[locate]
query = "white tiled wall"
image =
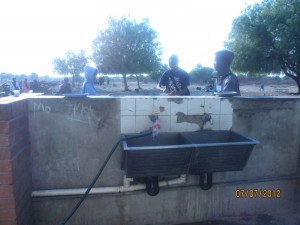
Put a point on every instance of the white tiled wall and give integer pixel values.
(135, 112)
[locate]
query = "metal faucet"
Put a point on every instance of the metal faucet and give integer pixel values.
(206, 118)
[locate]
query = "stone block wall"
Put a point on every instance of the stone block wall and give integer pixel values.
(15, 168)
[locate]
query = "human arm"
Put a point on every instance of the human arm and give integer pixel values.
(162, 84)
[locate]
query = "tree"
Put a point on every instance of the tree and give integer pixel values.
(126, 47)
(265, 39)
(33, 76)
(73, 64)
(200, 73)
(156, 75)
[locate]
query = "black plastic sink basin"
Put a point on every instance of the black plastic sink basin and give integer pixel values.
(186, 152)
(199, 153)
(219, 151)
(166, 154)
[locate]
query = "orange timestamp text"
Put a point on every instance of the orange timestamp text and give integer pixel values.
(258, 193)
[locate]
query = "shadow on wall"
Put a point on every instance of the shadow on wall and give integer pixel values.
(200, 120)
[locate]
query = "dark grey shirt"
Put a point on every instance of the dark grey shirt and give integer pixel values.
(229, 82)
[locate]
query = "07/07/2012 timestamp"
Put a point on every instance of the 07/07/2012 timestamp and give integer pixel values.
(258, 193)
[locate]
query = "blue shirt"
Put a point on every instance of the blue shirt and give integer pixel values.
(175, 78)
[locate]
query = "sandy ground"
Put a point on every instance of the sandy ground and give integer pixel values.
(116, 88)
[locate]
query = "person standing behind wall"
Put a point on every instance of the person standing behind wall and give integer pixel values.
(90, 74)
(14, 86)
(174, 81)
(35, 86)
(65, 87)
(226, 80)
(25, 86)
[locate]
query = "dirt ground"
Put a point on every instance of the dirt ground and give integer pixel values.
(116, 88)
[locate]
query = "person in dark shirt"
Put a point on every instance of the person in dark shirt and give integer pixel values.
(14, 86)
(65, 87)
(226, 80)
(35, 86)
(174, 81)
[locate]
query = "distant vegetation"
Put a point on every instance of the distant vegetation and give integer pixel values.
(265, 39)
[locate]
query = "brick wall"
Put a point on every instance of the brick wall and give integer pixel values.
(15, 166)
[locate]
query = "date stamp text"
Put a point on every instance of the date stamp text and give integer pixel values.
(258, 193)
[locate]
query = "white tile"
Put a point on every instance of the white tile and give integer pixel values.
(177, 127)
(215, 123)
(143, 123)
(212, 105)
(127, 124)
(127, 106)
(161, 106)
(226, 107)
(144, 106)
(225, 122)
(191, 127)
(165, 123)
(178, 105)
(195, 106)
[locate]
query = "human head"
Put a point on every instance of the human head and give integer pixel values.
(90, 73)
(223, 60)
(173, 62)
(14, 79)
(66, 80)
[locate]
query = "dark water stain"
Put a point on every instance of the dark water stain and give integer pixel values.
(200, 120)
(176, 100)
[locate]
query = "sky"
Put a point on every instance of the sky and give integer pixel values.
(33, 32)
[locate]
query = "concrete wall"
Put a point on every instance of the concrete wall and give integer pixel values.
(70, 139)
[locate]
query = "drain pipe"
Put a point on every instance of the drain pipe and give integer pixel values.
(106, 190)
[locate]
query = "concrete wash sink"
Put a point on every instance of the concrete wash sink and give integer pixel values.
(199, 153)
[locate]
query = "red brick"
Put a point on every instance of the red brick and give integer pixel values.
(4, 126)
(12, 138)
(5, 112)
(7, 203)
(5, 165)
(5, 153)
(6, 191)
(10, 152)
(4, 140)
(6, 178)
(7, 214)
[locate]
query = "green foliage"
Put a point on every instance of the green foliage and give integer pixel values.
(265, 39)
(73, 63)
(126, 47)
(201, 74)
(156, 75)
(33, 76)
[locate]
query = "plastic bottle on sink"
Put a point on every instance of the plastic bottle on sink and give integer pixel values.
(155, 128)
